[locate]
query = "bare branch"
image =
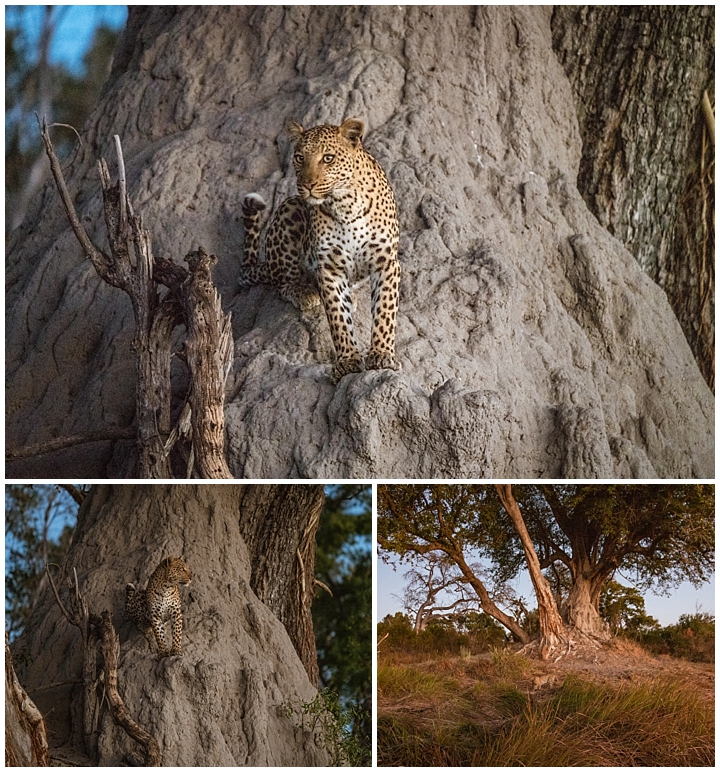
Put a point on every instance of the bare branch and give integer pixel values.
(77, 495)
(90, 250)
(110, 648)
(59, 443)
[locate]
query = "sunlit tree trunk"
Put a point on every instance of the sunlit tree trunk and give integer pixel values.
(552, 630)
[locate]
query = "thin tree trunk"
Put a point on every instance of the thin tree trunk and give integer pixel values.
(552, 631)
(486, 603)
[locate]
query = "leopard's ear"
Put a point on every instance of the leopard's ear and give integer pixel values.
(295, 130)
(352, 130)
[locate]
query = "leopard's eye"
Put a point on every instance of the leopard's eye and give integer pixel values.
(299, 158)
(328, 158)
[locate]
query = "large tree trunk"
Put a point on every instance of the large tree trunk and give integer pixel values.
(248, 649)
(583, 607)
(532, 345)
(638, 73)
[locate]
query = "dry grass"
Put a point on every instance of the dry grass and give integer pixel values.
(489, 711)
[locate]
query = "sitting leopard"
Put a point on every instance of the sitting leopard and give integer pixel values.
(341, 227)
(150, 609)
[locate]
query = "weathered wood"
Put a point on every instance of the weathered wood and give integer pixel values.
(25, 735)
(194, 303)
(110, 647)
(209, 350)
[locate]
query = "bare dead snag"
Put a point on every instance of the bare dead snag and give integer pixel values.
(79, 617)
(192, 301)
(208, 349)
(98, 633)
(110, 647)
(25, 735)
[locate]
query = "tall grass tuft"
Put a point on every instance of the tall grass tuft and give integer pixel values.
(583, 723)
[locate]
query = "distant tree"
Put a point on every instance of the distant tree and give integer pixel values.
(39, 522)
(458, 521)
(623, 608)
(343, 620)
(435, 575)
(35, 85)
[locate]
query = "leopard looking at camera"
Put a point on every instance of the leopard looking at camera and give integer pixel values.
(342, 227)
(151, 608)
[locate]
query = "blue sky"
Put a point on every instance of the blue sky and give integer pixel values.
(75, 27)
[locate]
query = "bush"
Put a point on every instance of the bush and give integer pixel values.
(692, 638)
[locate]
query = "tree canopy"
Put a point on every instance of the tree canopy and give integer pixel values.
(655, 536)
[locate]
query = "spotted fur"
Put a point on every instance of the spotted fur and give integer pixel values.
(151, 608)
(341, 227)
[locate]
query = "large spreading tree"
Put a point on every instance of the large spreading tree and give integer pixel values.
(654, 535)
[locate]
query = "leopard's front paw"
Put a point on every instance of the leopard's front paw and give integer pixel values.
(381, 360)
(252, 204)
(346, 365)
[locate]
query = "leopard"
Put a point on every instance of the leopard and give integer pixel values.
(341, 228)
(159, 603)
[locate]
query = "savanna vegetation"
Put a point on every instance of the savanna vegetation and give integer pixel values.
(462, 680)
(451, 698)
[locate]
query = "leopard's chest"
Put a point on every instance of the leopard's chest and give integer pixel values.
(165, 604)
(342, 228)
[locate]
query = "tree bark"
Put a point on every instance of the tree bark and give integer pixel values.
(583, 607)
(510, 335)
(26, 742)
(248, 648)
(639, 73)
(552, 630)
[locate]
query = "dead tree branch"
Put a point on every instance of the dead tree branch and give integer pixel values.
(110, 647)
(98, 633)
(50, 446)
(209, 351)
(192, 301)
(77, 495)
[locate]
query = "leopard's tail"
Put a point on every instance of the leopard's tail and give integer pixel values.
(252, 271)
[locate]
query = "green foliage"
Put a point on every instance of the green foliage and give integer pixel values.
(692, 638)
(330, 722)
(34, 84)
(659, 535)
(39, 522)
(440, 637)
(623, 608)
(343, 620)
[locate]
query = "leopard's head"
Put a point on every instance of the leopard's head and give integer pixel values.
(324, 158)
(177, 570)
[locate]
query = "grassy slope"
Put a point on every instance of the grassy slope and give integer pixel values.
(618, 708)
